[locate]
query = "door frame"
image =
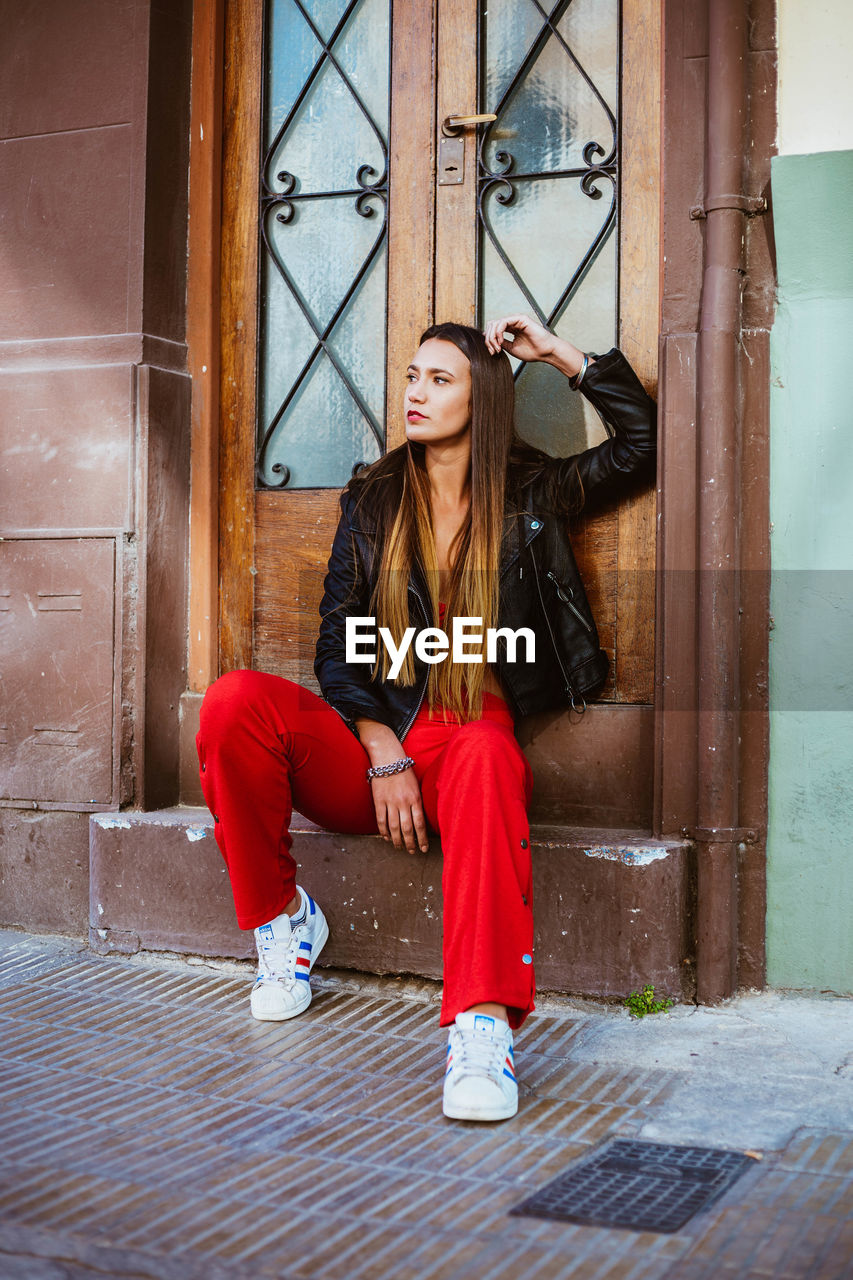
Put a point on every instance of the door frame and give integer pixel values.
(664, 38)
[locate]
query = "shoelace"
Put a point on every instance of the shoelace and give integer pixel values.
(277, 959)
(477, 1053)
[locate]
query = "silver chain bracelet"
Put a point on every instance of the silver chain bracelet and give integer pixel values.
(386, 770)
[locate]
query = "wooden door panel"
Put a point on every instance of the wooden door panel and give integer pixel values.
(615, 549)
(239, 328)
(411, 221)
(456, 206)
(294, 528)
(293, 538)
(639, 325)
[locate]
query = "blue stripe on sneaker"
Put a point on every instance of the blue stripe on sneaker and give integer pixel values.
(509, 1073)
(303, 977)
(305, 946)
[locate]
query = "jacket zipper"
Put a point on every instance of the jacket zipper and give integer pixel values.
(407, 724)
(411, 719)
(568, 600)
(569, 690)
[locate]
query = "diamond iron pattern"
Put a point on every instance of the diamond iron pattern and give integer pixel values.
(282, 201)
(499, 178)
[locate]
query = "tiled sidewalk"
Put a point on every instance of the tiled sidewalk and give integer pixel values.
(150, 1128)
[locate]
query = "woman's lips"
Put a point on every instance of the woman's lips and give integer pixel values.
(414, 416)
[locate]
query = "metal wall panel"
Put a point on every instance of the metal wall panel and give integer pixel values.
(57, 600)
(66, 453)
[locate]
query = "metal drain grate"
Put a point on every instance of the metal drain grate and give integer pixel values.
(644, 1186)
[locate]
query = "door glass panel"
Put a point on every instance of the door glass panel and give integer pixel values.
(321, 392)
(547, 191)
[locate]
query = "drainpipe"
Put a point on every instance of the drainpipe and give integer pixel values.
(725, 207)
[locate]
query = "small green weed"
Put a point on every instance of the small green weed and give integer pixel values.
(639, 1003)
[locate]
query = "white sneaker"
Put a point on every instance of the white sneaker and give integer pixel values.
(286, 956)
(479, 1083)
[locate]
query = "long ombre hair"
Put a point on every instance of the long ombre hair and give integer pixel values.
(398, 493)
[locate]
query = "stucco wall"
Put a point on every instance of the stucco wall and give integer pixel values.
(815, 76)
(810, 867)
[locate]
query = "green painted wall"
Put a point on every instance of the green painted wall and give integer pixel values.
(810, 838)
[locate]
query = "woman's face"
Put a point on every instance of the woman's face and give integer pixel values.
(437, 403)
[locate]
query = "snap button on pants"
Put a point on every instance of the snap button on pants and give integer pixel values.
(267, 745)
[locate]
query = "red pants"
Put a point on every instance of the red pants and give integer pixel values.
(267, 745)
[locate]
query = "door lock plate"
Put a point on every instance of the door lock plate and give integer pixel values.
(451, 162)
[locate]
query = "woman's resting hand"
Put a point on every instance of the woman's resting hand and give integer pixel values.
(397, 798)
(399, 811)
(532, 341)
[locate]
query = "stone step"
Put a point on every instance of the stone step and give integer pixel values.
(613, 908)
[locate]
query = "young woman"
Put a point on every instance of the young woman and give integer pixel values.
(465, 526)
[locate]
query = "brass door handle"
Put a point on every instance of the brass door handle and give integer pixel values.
(451, 125)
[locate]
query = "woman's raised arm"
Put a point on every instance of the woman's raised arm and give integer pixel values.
(607, 470)
(526, 339)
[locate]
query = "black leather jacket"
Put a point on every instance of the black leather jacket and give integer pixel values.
(540, 586)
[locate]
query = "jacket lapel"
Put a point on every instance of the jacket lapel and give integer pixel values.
(520, 528)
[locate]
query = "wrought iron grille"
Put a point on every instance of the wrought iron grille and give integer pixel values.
(317, 332)
(524, 107)
(283, 201)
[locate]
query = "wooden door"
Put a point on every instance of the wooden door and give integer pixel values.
(445, 254)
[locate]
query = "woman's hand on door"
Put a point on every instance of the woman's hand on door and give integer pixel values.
(527, 339)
